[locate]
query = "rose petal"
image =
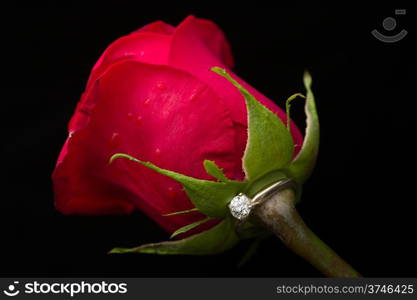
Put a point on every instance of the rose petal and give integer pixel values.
(157, 27)
(167, 117)
(143, 46)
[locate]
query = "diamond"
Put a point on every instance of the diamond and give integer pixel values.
(240, 206)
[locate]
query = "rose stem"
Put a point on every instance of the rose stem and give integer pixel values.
(280, 216)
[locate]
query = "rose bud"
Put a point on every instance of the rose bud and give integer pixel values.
(164, 126)
(153, 96)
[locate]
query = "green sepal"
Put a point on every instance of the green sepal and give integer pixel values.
(302, 166)
(270, 146)
(215, 171)
(188, 227)
(215, 240)
(288, 107)
(209, 197)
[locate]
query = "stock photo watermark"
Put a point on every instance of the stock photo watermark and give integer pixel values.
(70, 289)
(389, 24)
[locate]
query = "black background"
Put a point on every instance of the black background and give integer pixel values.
(361, 198)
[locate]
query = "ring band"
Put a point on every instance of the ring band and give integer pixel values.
(241, 205)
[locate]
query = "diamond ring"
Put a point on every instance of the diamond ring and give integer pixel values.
(241, 205)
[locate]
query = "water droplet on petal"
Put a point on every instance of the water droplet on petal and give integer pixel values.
(193, 97)
(139, 120)
(142, 53)
(158, 152)
(115, 139)
(171, 193)
(147, 102)
(130, 116)
(160, 86)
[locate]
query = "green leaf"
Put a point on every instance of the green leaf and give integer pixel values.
(270, 146)
(215, 240)
(181, 212)
(288, 107)
(215, 171)
(302, 166)
(188, 227)
(209, 197)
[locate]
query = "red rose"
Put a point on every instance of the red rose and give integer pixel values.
(151, 95)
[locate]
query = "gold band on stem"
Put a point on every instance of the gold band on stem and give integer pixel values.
(268, 192)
